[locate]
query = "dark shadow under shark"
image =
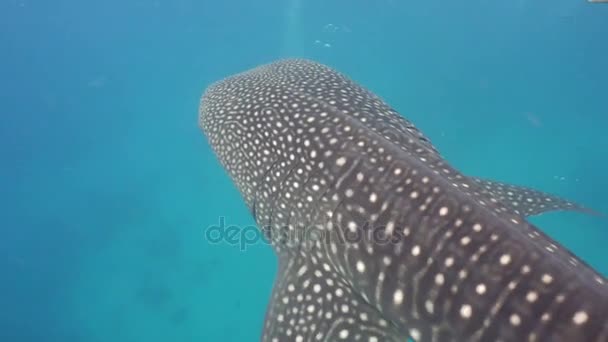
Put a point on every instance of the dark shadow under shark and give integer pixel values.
(378, 237)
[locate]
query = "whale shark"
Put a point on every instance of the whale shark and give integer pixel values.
(377, 236)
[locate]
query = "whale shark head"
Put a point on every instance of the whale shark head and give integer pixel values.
(378, 237)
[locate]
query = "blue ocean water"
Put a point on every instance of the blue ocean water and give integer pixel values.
(108, 185)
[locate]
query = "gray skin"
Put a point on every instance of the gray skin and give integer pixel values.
(378, 237)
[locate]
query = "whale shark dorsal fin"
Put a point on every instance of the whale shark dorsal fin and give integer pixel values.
(310, 302)
(526, 201)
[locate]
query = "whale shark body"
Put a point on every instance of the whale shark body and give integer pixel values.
(378, 238)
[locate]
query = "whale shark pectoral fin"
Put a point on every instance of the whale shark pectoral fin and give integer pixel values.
(310, 303)
(526, 201)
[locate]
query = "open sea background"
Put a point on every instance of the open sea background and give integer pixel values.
(108, 185)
